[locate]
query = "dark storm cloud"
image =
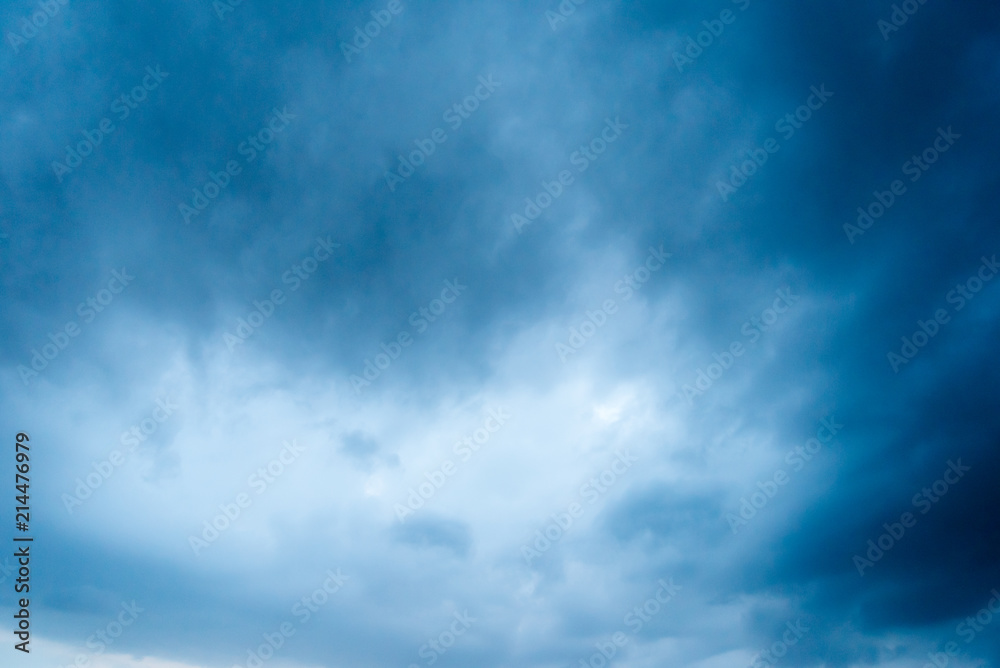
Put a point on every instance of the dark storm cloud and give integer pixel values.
(344, 125)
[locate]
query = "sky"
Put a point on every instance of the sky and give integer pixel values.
(545, 335)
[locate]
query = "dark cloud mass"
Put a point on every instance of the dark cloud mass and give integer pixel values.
(503, 334)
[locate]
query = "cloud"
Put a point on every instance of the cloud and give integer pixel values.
(86, 367)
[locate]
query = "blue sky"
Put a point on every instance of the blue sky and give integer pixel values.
(503, 334)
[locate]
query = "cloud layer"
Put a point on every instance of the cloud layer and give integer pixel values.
(504, 334)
